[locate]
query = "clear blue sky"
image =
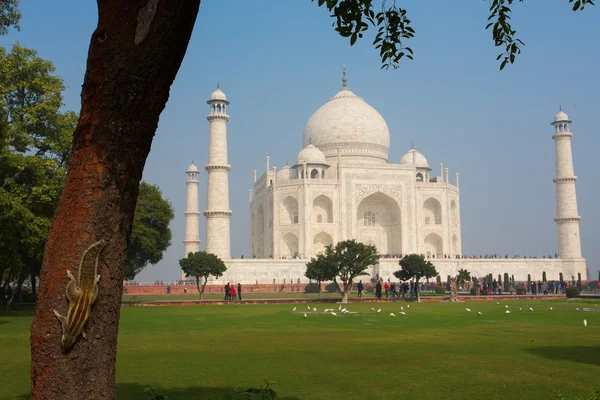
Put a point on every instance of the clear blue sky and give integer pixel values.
(279, 61)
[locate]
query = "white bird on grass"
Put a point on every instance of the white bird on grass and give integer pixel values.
(577, 309)
(402, 308)
(479, 313)
(392, 314)
(314, 310)
(468, 309)
(340, 308)
(506, 306)
(550, 308)
(304, 315)
(308, 308)
(372, 309)
(408, 306)
(520, 309)
(344, 310)
(334, 314)
(379, 310)
(530, 309)
(402, 312)
(497, 303)
(585, 322)
(507, 312)
(294, 309)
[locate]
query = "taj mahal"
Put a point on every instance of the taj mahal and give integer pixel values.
(342, 186)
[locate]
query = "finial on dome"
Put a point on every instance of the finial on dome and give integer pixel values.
(344, 79)
(218, 86)
(286, 162)
(413, 145)
(560, 108)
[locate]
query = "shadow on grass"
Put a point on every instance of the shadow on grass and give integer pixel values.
(134, 391)
(581, 354)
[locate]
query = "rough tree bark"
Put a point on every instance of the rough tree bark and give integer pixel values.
(134, 55)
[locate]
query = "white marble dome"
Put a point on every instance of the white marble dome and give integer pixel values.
(413, 157)
(561, 116)
(286, 173)
(192, 168)
(311, 155)
(218, 95)
(347, 122)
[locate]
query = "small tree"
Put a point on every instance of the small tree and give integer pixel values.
(414, 266)
(349, 259)
(462, 277)
(561, 278)
(579, 280)
(321, 269)
(544, 276)
(438, 280)
(506, 282)
(202, 265)
(512, 278)
(529, 282)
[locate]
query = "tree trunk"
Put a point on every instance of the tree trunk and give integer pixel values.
(134, 55)
(417, 291)
(319, 291)
(203, 286)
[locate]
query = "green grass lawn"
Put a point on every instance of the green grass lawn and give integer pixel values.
(436, 351)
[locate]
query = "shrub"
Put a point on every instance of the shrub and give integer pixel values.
(506, 282)
(370, 289)
(521, 290)
(331, 288)
(544, 276)
(311, 288)
(572, 291)
(440, 290)
(592, 285)
(438, 279)
(560, 277)
(473, 291)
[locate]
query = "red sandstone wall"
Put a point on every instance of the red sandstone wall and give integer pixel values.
(162, 289)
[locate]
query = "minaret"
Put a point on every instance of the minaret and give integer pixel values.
(217, 211)
(567, 219)
(191, 244)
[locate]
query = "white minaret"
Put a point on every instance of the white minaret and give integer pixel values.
(217, 202)
(567, 219)
(191, 244)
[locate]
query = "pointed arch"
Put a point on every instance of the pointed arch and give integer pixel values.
(289, 211)
(455, 250)
(432, 211)
(260, 250)
(320, 241)
(454, 213)
(378, 218)
(322, 212)
(289, 245)
(433, 245)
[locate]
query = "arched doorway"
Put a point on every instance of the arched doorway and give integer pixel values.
(322, 210)
(432, 212)
(289, 212)
(433, 245)
(289, 245)
(320, 241)
(378, 223)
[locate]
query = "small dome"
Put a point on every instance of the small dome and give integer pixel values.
(311, 155)
(414, 157)
(286, 173)
(192, 168)
(218, 95)
(561, 116)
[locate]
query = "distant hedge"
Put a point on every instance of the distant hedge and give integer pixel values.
(440, 290)
(572, 291)
(331, 288)
(311, 288)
